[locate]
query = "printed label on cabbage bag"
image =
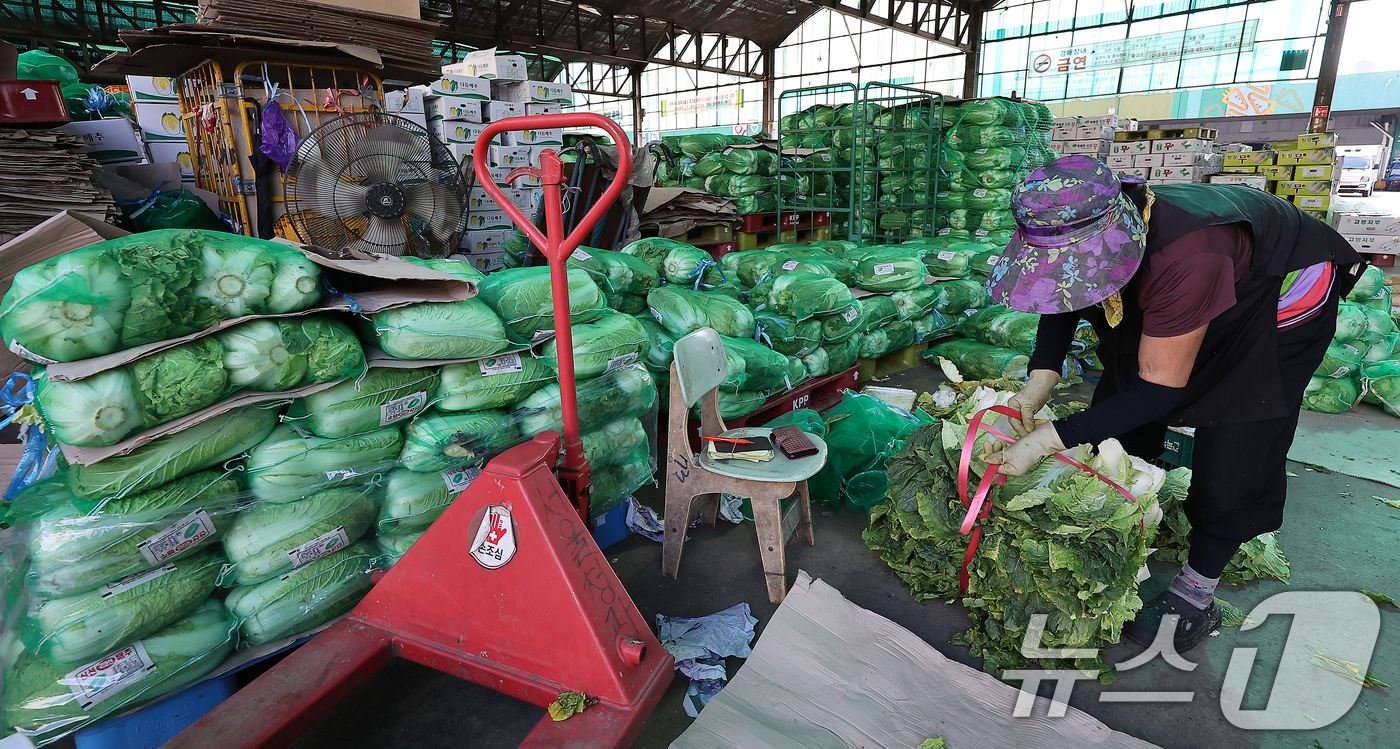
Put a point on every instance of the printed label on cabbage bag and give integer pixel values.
(790, 265)
(944, 232)
(460, 479)
(580, 255)
(850, 315)
(399, 409)
(319, 547)
(184, 535)
(981, 232)
(618, 362)
(947, 255)
(109, 674)
(993, 260)
(503, 364)
(540, 335)
(884, 269)
(980, 193)
(341, 474)
(24, 353)
(131, 581)
(656, 314)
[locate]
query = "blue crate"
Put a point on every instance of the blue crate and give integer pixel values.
(611, 526)
(159, 721)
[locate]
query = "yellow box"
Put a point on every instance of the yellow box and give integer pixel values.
(1277, 172)
(1312, 172)
(1304, 187)
(1314, 141)
(1284, 145)
(1240, 169)
(1249, 158)
(1313, 202)
(1315, 157)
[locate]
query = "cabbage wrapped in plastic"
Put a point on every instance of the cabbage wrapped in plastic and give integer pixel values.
(261, 542)
(764, 202)
(39, 498)
(660, 343)
(978, 361)
(68, 308)
(706, 165)
(1379, 326)
(696, 146)
(1331, 395)
(952, 262)
(1341, 360)
(296, 284)
(1382, 349)
(393, 546)
(76, 546)
(414, 499)
(842, 356)
(42, 699)
(956, 297)
(787, 335)
(276, 355)
(932, 325)
(611, 443)
(498, 382)
(653, 251)
(288, 466)
(913, 304)
(841, 270)
(629, 391)
(817, 363)
(988, 112)
(751, 266)
(305, 598)
(890, 268)
(686, 265)
(752, 366)
(1006, 328)
(77, 628)
(463, 329)
(733, 405)
(1371, 282)
(201, 446)
(682, 311)
(615, 483)
(838, 247)
(870, 312)
(439, 441)
(460, 269)
(804, 295)
(1382, 381)
(384, 396)
(613, 340)
(750, 161)
(758, 296)
(627, 304)
(739, 185)
(615, 272)
(886, 338)
(1005, 156)
(524, 300)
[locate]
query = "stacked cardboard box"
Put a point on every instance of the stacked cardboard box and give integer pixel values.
(1091, 136)
(1165, 156)
(1302, 171)
(1377, 235)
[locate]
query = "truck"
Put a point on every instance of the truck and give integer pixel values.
(1360, 169)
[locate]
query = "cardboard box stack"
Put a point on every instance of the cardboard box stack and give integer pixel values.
(483, 88)
(1091, 136)
(1376, 235)
(1303, 171)
(1165, 156)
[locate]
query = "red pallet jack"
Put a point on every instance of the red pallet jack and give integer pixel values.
(531, 608)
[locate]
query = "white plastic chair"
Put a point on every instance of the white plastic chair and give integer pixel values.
(697, 370)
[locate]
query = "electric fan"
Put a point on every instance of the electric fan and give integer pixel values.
(373, 182)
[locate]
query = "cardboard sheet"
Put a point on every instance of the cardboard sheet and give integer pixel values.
(1361, 442)
(829, 674)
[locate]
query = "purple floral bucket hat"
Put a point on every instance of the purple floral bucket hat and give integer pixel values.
(1079, 239)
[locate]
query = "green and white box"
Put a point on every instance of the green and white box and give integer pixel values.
(160, 120)
(152, 88)
(485, 63)
(461, 85)
(488, 220)
(1129, 147)
(501, 110)
(511, 157)
(1178, 145)
(534, 92)
(454, 109)
(533, 109)
(1368, 223)
(547, 137)
(173, 151)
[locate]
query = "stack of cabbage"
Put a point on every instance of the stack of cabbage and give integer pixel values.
(1363, 360)
(988, 147)
(1059, 541)
(733, 166)
(822, 175)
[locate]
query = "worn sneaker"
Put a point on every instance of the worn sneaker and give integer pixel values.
(1193, 626)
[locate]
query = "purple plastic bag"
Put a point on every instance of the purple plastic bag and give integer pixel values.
(279, 137)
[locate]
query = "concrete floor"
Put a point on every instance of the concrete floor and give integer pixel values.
(1336, 536)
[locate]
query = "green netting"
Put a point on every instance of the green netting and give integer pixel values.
(681, 311)
(524, 300)
(862, 432)
(1382, 385)
(739, 185)
(956, 297)
(751, 267)
(891, 268)
(759, 161)
(696, 146)
(1341, 360)
(978, 361)
(886, 338)
(611, 341)
(787, 335)
(1331, 395)
(803, 295)
(1005, 328)
(615, 272)
(752, 366)
(864, 314)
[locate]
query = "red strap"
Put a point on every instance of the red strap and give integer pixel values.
(980, 506)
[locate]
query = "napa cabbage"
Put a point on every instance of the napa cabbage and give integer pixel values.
(260, 540)
(289, 465)
(382, 397)
(304, 598)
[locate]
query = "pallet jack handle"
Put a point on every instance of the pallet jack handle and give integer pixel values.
(575, 474)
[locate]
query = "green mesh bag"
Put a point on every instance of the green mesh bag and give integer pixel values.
(1341, 360)
(615, 272)
(696, 146)
(613, 340)
(707, 166)
(524, 300)
(787, 335)
(739, 185)
(955, 297)
(978, 361)
(802, 295)
(1331, 395)
(861, 433)
(1382, 384)
(886, 338)
(758, 161)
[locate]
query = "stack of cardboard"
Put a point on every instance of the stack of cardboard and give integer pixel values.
(44, 174)
(157, 106)
(1303, 171)
(1165, 156)
(1091, 136)
(1377, 235)
(673, 211)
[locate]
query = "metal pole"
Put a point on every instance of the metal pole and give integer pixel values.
(974, 50)
(770, 91)
(637, 114)
(1327, 75)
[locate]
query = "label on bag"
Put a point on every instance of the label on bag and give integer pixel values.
(184, 535)
(458, 480)
(540, 335)
(944, 232)
(341, 473)
(580, 255)
(981, 193)
(618, 362)
(493, 544)
(947, 255)
(884, 269)
(24, 353)
(981, 232)
(656, 315)
(993, 260)
(850, 315)
(109, 674)
(790, 265)
(131, 581)
(318, 547)
(503, 364)
(399, 409)
(980, 150)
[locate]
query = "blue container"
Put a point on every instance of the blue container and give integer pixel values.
(158, 722)
(608, 529)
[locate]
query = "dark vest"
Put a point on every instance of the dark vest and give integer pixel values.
(1236, 375)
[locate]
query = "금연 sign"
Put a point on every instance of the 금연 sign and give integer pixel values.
(1208, 41)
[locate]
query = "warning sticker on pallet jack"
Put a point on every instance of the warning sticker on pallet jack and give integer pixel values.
(493, 544)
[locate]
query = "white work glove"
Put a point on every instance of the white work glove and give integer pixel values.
(1033, 397)
(1017, 458)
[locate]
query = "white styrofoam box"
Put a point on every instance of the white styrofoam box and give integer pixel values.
(108, 140)
(1148, 159)
(1315, 202)
(1133, 172)
(511, 157)
(160, 120)
(533, 109)
(454, 131)
(173, 151)
(538, 92)
(1177, 145)
(1109, 121)
(547, 137)
(1057, 147)
(1092, 132)
(485, 63)
(1120, 161)
(478, 200)
(500, 110)
(1256, 181)
(405, 101)
(1091, 147)
(1373, 243)
(488, 220)
(1367, 223)
(152, 88)
(485, 240)
(1188, 173)
(461, 85)
(1130, 147)
(1062, 132)
(454, 108)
